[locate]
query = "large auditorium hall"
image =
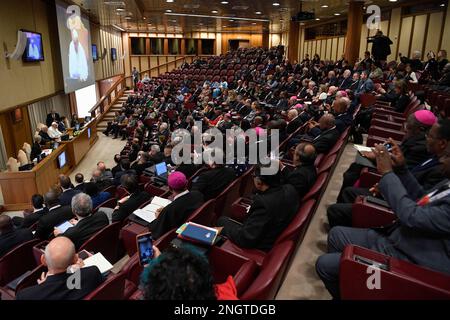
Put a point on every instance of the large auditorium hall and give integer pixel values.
(208, 151)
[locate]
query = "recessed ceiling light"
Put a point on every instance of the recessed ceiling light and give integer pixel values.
(168, 10)
(120, 9)
(392, 0)
(337, 14)
(144, 18)
(128, 18)
(324, 6)
(317, 19)
(442, 4)
(214, 11)
(170, 1)
(231, 20)
(224, 2)
(276, 4)
(258, 12)
(254, 23)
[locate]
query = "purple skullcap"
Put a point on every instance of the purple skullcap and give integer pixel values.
(177, 181)
(293, 98)
(425, 117)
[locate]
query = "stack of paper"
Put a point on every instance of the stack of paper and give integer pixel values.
(99, 261)
(362, 148)
(148, 213)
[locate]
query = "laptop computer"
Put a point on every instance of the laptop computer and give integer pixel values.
(161, 173)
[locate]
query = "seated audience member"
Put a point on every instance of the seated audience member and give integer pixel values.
(273, 208)
(125, 168)
(429, 172)
(59, 256)
(420, 235)
(413, 146)
(79, 180)
(129, 204)
(56, 215)
(214, 180)
(399, 98)
(86, 223)
(97, 196)
(11, 237)
(143, 162)
(53, 116)
(325, 133)
(304, 174)
(184, 203)
(183, 274)
(116, 168)
(53, 131)
(295, 121)
(67, 191)
(36, 149)
(342, 115)
(156, 156)
(365, 84)
(105, 173)
(43, 133)
(31, 218)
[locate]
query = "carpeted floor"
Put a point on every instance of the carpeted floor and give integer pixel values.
(302, 282)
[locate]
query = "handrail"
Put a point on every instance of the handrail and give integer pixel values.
(100, 108)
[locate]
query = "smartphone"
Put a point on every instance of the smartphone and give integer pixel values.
(145, 248)
(83, 254)
(388, 147)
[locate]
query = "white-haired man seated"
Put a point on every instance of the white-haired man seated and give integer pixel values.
(59, 257)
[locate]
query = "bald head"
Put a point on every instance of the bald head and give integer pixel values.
(327, 122)
(59, 255)
(5, 223)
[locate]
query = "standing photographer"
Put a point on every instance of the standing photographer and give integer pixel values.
(381, 48)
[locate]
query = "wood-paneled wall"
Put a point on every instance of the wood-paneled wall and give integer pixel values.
(15, 133)
(106, 38)
(421, 32)
(22, 82)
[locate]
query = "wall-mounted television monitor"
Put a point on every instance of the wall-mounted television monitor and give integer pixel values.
(94, 52)
(62, 160)
(34, 50)
(113, 54)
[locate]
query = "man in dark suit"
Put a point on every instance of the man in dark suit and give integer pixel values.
(346, 81)
(125, 169)
(128, 205)
(295, 121)
(10, 237)
(116, 168)
(183, 205)
(86, 223)
(60, 255)
(36, 149)
(304, 174)
(53, 116)
(273, 208)
(214, 180)
(79, 180)
(31, 218)
(421, 234)
(428, 173)
(326, 134)
(68, 192)
(143, 162)
(56, 215)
